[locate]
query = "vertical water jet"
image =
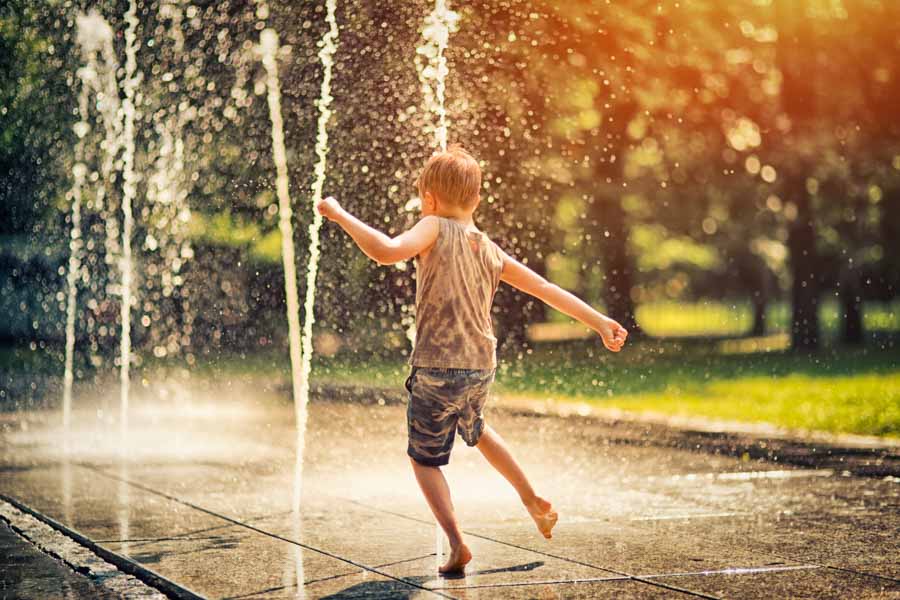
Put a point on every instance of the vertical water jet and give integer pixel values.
(129, 86)
(431, 65)
(326, 56)
(97, 77)
(268, 45)
(79, 171)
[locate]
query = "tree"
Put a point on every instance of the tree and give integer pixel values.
(795, 42)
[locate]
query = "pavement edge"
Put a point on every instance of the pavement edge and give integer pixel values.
(146, 576)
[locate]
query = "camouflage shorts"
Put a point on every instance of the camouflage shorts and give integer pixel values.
(442, 402)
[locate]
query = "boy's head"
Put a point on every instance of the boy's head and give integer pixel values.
(452, 180)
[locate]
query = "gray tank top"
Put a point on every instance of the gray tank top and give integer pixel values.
(455, 287)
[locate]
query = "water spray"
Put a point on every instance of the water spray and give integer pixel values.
(431, 64)
(326, 55)
(94, 37)
(268, 46)
(79, 170)
(129, 187)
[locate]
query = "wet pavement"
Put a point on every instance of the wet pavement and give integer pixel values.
(26, 572)
(202, 491)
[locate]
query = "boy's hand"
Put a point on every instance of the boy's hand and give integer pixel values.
(329, 208)
(612, 333)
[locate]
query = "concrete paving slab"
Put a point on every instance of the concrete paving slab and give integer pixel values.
(497, 565)
(238, 563)
(373, 587)
(365, 587)
(105, 509)
(636, 551)
(868, 546)
(820, 584)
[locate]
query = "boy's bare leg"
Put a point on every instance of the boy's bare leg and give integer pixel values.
(496, 452)
(437, 494)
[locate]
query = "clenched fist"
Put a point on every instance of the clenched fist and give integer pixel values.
(329, 208)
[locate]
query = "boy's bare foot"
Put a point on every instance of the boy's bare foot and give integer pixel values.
(459, 557)
(544, 516)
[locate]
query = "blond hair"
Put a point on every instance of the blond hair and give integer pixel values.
(453, 176)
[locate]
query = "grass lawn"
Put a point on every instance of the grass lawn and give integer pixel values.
(836, 390)
(866, 404)
(840, 391)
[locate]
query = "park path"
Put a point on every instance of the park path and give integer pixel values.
(204, 496)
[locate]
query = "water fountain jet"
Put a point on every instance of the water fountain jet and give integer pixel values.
(129, 86)
(431, 64)
(326, 56)
(268, 46)
(300, 350)
(79, 170)
(97, 77)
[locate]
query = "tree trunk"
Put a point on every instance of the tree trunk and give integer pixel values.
(890, 233)
(759, 279)
(851, 308)
(611, 230)
(795, 51)
(803, 264)
(759, 315)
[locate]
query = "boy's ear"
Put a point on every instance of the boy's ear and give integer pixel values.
(429, 202)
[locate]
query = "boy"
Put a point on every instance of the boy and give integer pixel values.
(453, 361)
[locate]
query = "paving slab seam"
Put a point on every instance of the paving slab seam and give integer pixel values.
(528, 583)
(329, 578)
(622, 574)
(256, 529)
(736, 571)
(187, 535)
(144, 582)
(389, 564)
(732, 571)
(142, 541)
(678, 517)
(843, 569)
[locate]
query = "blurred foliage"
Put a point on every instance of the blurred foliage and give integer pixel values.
(637, 152)
(35, 105)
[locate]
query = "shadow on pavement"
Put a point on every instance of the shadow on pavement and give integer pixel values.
(399, 590)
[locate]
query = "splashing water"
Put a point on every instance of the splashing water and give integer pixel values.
(79, 170)
(166, 237)
(326, 55)
(301, 355)
(431, 65)
(129, 86)
(97, 76)
(268, 47)
(167, 304)
(95, 36)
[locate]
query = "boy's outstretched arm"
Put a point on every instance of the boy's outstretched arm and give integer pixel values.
(519, 276)
(379, 247)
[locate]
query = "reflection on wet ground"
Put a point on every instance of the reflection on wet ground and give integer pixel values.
(204, 494)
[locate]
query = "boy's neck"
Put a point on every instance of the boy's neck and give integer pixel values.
(461, 217)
